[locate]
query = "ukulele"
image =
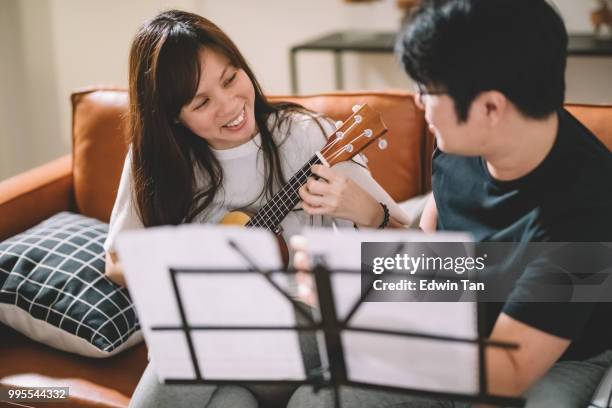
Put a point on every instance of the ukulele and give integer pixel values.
(362, 128)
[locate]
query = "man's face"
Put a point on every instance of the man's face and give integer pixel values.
(468, 138)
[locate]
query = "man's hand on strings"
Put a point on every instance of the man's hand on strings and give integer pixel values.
(301, 262)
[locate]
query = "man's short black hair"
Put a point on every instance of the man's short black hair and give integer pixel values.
(465, 47)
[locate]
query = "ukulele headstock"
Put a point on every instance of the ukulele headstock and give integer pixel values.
(353, 135)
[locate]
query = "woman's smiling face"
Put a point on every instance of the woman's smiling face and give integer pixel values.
(223, 109)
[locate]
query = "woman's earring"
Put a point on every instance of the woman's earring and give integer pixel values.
(176, 121)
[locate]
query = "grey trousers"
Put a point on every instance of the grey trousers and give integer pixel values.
(568, 384)
(150, 393)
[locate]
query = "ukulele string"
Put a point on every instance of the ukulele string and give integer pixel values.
(327, 148)
(296, 183)
(342, 150)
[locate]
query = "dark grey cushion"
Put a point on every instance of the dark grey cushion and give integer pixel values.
(53, 289)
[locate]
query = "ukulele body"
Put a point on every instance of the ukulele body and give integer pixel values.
(242, 218)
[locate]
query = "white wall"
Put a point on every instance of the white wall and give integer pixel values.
(29, 120)
(576, 14)
(92, 40)
(588, 78)
(48, 48)
(275, 25)
(11, 126)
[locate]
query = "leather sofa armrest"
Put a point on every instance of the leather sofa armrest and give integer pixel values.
(30, 197)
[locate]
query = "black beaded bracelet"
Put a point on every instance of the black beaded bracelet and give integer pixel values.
(385, 221)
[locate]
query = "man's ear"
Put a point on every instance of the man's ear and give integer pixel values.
(494, 105)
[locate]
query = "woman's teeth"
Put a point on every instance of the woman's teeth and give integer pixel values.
(237, 121)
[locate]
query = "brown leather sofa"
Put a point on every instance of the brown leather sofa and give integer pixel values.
(86, 182)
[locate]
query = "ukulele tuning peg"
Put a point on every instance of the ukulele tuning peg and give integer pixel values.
(357, 118)
(338, 124)
(383, 144)
(356, 108)
(367, 133)
(348, 148)
(339, 135)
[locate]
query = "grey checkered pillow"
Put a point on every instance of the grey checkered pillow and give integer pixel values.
(53, 289)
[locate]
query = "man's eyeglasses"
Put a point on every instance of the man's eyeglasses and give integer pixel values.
(420, 91)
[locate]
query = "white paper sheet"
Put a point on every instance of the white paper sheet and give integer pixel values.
(231, 299)
(412, 362)
(243, 355)
(211, 299)
(415, 363)
(222, 299)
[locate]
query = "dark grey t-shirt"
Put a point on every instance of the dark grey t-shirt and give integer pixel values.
(567, 198)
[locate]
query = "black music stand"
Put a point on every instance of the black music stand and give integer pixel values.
(335, 374)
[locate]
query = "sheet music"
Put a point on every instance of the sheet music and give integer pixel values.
(240, 299)
(211, 299)
(234, 296)
(404, 362)
(415, 363)
(244, 355)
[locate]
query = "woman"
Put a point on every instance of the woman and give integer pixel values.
(204, 140)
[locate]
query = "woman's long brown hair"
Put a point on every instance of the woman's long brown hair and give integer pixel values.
(164, 74)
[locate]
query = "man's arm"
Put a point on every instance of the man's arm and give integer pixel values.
(511, 372)
(429, 218)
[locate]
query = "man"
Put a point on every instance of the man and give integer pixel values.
(511, 165)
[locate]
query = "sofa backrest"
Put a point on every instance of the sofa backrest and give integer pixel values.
(99, 134)
(100, 143)
(598, 118)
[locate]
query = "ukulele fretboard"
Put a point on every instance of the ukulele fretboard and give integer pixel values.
(274, 211)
